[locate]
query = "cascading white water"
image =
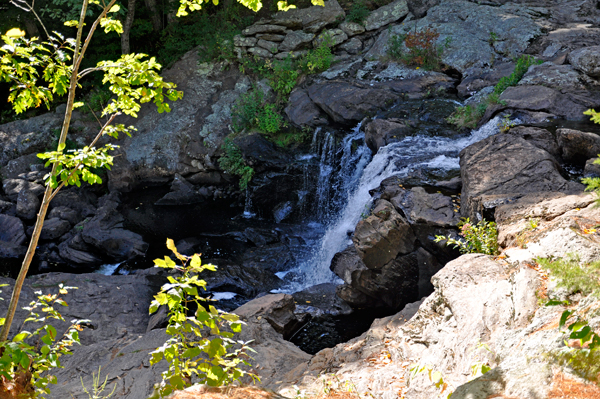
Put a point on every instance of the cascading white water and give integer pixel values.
(361, 176)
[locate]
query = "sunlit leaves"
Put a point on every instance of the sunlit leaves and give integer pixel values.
(111, 25)
(15, 32)
(200, 344)
(284, 6)
(134, 80)
(76, 166)
(39, 360)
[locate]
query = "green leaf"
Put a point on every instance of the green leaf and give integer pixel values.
(21, 336)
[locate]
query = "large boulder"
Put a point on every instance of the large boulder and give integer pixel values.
(382, 236)
(546, 99)
(106, 234)
(277, 309)
(12, 230)
(421, 207)
(502, 168)
(381, 132)
(586, 60)
(301, 111)
(12, 188)
(539, 137)
(577, 147)
(347, 103)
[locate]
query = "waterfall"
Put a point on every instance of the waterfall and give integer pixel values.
(357, 176)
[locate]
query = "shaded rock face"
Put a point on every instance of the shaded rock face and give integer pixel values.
(577, 147)
(502, 168)
(586, 60)
(382, 132)
(186, 140)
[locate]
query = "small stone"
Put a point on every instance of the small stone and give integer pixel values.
(270, 46)
(260, 52)
(352, 28)
(270, 37)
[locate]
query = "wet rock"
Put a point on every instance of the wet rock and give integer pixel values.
(592, 168)
(314, 18)
(245, 280)
(352, 28)
(540, 138)
(453, 184)
(347, 103)
(387, 14)
(12, 188)
(424, 208)
(586, 60)
(11, 255)
(259, 151)
(381, 132)
(382, 236)
(54, 228)
(212, 177)
(319, 300)
(78, 257)
(296, 40)
(302, 111)
(261, 237)
(272, 189)
(28, 204)
(273, 257)
(12, 230)
(106, 234)
(356, 298)
(277, 309)
(577, 147)
(347, 264)
(503, 167)
(282, 211)
(182, 193)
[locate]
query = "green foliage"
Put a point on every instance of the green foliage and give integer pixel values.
(395, 47)
(476, 238)
(254, 5)
(521, 67)
(233, 163)
(358, 12)
(284, 76)
(593, 183)
(96, 100)
(574, 275)
(318, 59)
(467, 116)
(214, 37)
(253, 111)
(421, 48)
(201, 342)
(18, 357)
(505, 124)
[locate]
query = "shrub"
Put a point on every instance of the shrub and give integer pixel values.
(233, 163)
(284, 76)
(521, 67)
(253, 111)
(476, 238)
(358, 12)
(467, 116)
(319, 58)
(24, 368)
(215, 360)
(574, 275)
(422, 48)
(593, 183)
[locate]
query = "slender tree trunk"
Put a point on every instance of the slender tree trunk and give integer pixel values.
(125, 48)
(154, 15)
(49, 193)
